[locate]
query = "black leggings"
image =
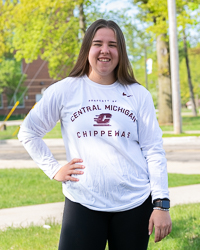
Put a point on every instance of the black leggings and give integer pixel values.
(85, 229)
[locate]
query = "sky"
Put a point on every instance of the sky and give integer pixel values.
(114, 5)
(108, 5)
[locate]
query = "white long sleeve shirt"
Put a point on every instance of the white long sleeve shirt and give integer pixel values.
(113, 129)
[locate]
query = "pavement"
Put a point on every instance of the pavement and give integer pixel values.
(45, 213)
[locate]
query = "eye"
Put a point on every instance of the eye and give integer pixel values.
(113, 45)
(97, 44)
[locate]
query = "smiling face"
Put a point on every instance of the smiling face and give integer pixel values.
(103, 57)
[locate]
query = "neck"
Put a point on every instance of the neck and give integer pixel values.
(104, 80)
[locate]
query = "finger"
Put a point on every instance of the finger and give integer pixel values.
(77, 166)
(150, 226)
(75, 160)
(163, 233)
(157, 234)
(70, 178)
(75, 172)
(170, 228)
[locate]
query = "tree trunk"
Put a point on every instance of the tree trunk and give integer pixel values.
(164, 82)
(194, 111)
(82, 20)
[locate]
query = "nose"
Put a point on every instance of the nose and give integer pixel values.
(105, 49)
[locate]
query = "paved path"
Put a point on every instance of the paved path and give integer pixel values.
(41, 214)
(27, 215)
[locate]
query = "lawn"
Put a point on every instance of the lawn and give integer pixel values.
(189, 123)
(23, 187)
(185, 230)
(176, 180)
(180, 135)
(185, 234)
(10, 130)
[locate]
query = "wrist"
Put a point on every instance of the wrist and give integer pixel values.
(161, 203)
(161, 209)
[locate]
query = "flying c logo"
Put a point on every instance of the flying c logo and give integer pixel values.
(102, 119)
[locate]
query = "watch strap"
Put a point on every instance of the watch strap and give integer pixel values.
(162, 203)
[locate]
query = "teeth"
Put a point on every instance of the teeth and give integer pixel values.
(104, 60)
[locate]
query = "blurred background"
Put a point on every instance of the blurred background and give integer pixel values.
(40, 41)
(39, 44)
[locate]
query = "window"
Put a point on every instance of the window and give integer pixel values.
(38, 97)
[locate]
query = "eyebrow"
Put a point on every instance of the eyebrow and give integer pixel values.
(99, 41)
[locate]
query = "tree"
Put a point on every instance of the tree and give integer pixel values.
(194, 112)
(5, 28)
(155, 13)
(54, 31)
(51, 33)
(194, 59)
(10, 76)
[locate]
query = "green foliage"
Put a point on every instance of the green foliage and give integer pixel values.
(155, 12)
(5, 27)
(10, 76)
(51, 33)
(194, 59)
(139, 70)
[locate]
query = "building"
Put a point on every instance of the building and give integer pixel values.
(37, 81)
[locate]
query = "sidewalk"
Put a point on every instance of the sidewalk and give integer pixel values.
(41, 214)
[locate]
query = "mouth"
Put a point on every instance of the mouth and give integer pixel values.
(104, 59)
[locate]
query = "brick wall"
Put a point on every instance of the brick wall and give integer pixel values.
(37, 83)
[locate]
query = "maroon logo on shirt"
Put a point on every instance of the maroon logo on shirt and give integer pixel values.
(102, 119)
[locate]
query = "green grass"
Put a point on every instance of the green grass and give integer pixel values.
(188, 122)
(185, 234)
(179, 135)
(176, 180)
(55, 132)
(8, 133)
(185, 230)
(22, 187)
(31, 238)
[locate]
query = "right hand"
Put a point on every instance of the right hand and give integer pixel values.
(64, 174)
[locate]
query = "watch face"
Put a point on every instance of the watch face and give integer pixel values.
(165, 204)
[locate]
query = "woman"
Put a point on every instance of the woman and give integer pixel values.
(116, 164)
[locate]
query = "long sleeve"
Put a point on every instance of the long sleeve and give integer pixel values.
(150, 140)
(41, 119)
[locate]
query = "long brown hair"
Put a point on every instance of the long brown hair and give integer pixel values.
(123, 71)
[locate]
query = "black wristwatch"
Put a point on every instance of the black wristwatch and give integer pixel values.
(162, 203)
